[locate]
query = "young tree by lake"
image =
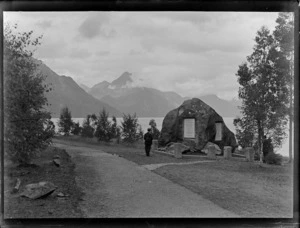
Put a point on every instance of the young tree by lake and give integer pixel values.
(154, 130)
(27, 125)
(264, 93)
(104, 128)
(87, 129)
(65, 121)
(130, 128)
(76, 129)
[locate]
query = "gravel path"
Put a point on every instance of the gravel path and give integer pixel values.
(115, 187)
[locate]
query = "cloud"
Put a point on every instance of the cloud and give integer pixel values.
(134, 52)
(45, 24)
(54, 48)
(96, 25)
(102, 53)
(80, 53)
(186, 52)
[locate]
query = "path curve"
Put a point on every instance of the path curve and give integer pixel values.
(116, 188)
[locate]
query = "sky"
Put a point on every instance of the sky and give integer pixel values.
(191, 53)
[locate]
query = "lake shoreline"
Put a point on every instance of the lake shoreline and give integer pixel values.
(144, 122)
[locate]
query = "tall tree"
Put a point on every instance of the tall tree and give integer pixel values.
(104, 130)
(65, 121)
(27, 125)
(87, 129)
(130, 128)
(263, 92)
(284, 37)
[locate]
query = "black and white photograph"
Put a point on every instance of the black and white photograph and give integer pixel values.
(148, 114)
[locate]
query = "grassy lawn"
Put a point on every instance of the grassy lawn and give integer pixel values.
(247, 189)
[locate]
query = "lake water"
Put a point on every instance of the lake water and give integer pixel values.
(144, 122)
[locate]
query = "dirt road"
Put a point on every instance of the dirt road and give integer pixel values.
(115, 187)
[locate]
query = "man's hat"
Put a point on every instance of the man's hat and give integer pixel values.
(149, 129)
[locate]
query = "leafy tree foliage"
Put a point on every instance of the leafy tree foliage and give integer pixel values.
(27, 125)
(105, 131)
(264, 93)
(76, 129)
(130, 128)
(140, 133)
(284, 37)
(115, 129)
(155, 131)
(65, 121)
(87, 129)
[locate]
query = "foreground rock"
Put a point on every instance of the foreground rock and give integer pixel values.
(17, 186)
(205, 119)
(56, 162)
(38, 190)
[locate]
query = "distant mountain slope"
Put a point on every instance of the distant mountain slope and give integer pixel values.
(116, 88)
(66, 92)
(122, 80)
(149, 102)
(86, 88)
(145, 102)
(223, 107)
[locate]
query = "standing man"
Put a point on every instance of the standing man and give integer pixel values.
(148, 142)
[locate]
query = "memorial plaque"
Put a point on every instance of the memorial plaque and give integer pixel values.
(218, 132)
(189, 128)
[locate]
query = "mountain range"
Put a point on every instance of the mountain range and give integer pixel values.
(66, 92)
(118, 97)
(148, 102)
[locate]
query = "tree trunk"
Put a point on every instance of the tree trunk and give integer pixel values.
(260, 141)
(291, 114)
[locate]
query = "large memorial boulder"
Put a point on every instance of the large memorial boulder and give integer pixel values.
(204, 119)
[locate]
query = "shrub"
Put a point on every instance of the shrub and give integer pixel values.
(273, 159)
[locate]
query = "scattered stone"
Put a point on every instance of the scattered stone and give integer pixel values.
(170, 149)
(56, 162)
(179, 148)
(227, 152)
(60, 194)
(56, 156)
(17, 186)
(38, 190)
(217, 148)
